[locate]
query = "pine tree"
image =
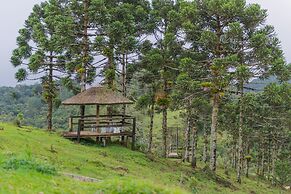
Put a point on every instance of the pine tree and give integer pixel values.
(41, 52)
(165, 20)
(260, 55)
(216, 18)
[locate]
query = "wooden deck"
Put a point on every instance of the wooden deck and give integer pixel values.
(84, 134)
(91, 125)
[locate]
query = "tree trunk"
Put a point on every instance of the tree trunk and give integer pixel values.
(205, 146)
(248, 159)
(262, 171)
(50, 97)
(85, 46)
(240, 137)
(123, 79)
(274, 158)
(187, 140)
(165, 131)
(152, 113)
(213, 135)
(247, 168)
(194, 147)
(165, 117)
(269, 144)
(259, 159)
(233, 152)
(50, 114)
(85, 62)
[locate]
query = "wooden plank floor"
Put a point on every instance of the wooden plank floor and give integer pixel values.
(94, 134)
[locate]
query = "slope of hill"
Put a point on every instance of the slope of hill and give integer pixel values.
(34, 161)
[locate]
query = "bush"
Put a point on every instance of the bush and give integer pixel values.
(31, 164)
(283, 172)
(18, 120)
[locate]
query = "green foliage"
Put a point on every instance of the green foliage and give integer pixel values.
(25, 105)
(143, 101)
(30, 164)
(283, 172)
(21, 74)
(19, 119)
(163, 102)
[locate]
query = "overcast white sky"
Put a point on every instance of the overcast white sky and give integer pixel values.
(13, 13)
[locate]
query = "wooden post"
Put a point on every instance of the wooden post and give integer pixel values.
(79, 131)
(122, 140)
(126, 141)
(97, 139)
(71, 124)
(97, 117)
(133, 134)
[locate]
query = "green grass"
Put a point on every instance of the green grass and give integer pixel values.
(34, 161)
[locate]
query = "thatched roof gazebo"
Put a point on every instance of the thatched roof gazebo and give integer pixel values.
(93, 125)
(97, 96)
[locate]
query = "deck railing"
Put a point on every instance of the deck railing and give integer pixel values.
(91, 122)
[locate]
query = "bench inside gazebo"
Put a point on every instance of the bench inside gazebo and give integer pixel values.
(101, 127)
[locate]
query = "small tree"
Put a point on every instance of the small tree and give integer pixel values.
(19, 119)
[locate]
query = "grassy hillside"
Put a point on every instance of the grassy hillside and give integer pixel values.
(34, 161)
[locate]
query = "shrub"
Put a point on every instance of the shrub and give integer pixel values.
(31, 164)
(283, 172)
(18, 120)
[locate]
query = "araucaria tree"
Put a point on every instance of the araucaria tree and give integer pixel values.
(165, 21)
(259, 54)
(216, 20)
(41, 53)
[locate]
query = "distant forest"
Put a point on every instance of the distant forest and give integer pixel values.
(28, 100)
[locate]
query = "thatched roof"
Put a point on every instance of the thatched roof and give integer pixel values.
(97, 96)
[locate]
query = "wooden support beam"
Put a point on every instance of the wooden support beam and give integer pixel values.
(97, 117)
(70, 124)
(79, 131)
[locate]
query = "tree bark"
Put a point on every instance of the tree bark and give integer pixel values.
(123, 79)
(240, 137)
(262, 171)
(165, 131)
(85, 62)
(248, 159)
(187, 140)
(152, 113)
(50, 97)
(194, 147)
(205, 146)
(274, 158)
(165, 118)
(213, 135)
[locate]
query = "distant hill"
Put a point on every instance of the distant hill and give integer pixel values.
(27, 100)
(258, 85)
